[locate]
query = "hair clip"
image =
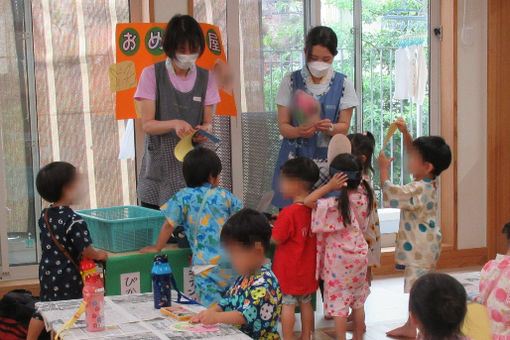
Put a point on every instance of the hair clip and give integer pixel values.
(352, 175)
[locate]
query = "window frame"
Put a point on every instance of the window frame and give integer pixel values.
(23, 271)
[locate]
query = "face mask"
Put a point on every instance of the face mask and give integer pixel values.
(318, 69)
(185, 61)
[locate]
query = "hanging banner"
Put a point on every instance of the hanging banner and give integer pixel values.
(139, 45)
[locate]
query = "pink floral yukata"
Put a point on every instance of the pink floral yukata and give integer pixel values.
(342, 253)
(495, 295)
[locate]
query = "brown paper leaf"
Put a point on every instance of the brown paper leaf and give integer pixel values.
(122, 76)
(391, 131)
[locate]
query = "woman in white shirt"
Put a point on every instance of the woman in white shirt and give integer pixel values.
(337, 98)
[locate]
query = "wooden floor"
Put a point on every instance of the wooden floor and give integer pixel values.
(386, 309)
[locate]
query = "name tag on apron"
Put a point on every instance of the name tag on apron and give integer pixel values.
(197, 99)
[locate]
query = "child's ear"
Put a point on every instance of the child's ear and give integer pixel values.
(363, 159)
(430, 167)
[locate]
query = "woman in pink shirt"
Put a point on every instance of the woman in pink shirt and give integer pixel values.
(177, 98)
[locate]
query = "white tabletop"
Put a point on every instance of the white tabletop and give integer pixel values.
(128, 317)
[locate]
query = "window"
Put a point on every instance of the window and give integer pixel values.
(60, 108)
(271, 47)
(215, 13)
(369, 33)
(391, 33)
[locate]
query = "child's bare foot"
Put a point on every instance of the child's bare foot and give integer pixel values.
(405, 331)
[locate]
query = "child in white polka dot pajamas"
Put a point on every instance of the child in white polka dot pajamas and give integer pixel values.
(65, 238)
(419, 237)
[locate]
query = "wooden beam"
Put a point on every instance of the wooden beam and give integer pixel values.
(190, 7)
(498, 124)
(450, 258)
(449, 119)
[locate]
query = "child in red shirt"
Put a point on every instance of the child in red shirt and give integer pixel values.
(295, 255)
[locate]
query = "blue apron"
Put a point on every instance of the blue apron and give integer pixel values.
(315, 147)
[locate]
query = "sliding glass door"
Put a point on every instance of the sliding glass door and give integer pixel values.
(391, 68)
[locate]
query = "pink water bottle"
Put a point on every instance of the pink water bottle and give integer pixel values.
(93, 294)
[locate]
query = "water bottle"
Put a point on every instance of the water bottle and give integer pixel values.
(93, 294)
(161, 282)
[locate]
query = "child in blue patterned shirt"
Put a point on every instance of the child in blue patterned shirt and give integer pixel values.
(254, 301)
(201, 208)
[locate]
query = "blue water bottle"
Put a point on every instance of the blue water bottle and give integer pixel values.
(161, 282)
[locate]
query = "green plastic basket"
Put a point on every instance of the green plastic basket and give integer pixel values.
(122, 229)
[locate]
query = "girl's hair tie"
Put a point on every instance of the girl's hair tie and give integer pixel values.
(352, 175)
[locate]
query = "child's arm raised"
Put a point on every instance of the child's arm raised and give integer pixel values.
(95, 254)
(384, 167)
(402, 127)
(335, 183)
(164, 234)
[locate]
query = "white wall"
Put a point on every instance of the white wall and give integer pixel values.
(164, 10)
(472, 127)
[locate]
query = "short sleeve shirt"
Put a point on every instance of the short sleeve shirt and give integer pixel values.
(58, 277)
(284, 95)
(295, 255)
(202, 222)
(258, 298)
(147, 85)
(419, 236)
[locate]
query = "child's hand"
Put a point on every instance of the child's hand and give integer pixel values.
(383, 161)
(206, 317)
(337, 182)
(101, 255)
(150, 249)
(401, 124)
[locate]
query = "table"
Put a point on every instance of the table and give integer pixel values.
(128, 317)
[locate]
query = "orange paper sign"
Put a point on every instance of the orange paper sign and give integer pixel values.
(141, 44)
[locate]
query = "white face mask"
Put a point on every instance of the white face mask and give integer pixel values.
(318, 69)
(185, 61)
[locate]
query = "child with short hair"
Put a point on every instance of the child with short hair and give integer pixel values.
(201, 208)
(65, 238)
(419, 237)
(339, 223)
(253, 302)
(494, 291)
(294, 259)
(437, 307)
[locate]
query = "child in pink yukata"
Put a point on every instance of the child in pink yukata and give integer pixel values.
(340, 223)
(495, 291)
(437, 307)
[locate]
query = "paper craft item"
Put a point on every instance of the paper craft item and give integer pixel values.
(122, 76)
(338, 145)
(476, 324)
(194, 327)
(177, 312)
(265, 201)
(127, 148)
(391, 131)
(186, 144)
(306, 108)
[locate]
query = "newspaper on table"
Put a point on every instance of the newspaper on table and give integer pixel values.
(128, 317)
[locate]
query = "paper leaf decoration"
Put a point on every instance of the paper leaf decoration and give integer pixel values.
(391, 131)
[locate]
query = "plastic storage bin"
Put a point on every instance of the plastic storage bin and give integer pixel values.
(122, 229)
